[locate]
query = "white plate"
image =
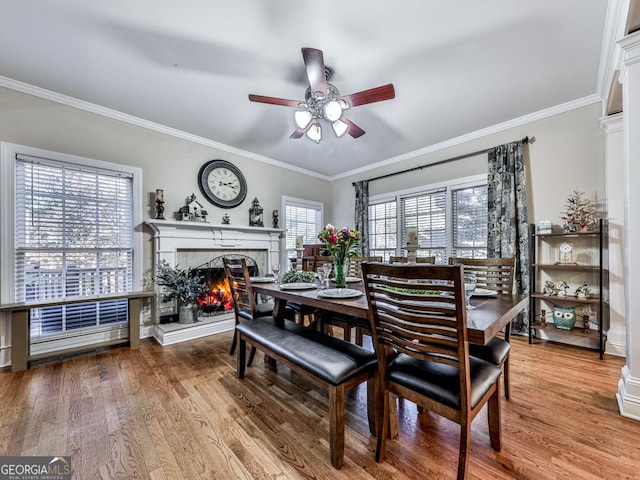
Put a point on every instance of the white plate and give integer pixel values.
(482, 292)
(262, 279)
(297, 286)
(339, 293)
(349, 279)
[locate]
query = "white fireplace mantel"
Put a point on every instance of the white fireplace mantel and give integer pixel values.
(172, 236)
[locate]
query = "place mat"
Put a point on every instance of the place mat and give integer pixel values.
(339, 293)
(297, 286)
(483, 292)
(262, 279)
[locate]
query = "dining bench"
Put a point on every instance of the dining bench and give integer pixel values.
(328, 362)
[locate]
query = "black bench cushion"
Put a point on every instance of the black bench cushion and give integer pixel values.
(331, 359)
(442, 382)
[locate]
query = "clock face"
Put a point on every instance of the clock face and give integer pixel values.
(222, 183)
(565, 247)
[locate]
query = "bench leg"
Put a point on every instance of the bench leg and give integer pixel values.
(241, 356)
(336, 425)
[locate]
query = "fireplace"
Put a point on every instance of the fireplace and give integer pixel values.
(201, 246)
(218, 298)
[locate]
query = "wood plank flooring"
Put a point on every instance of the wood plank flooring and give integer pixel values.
(178, 412)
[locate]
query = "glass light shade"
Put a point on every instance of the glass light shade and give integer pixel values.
(315, 133)
(302, 118)
(340, 127)
(332, 111)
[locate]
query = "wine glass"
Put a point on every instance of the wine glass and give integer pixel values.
(275, 268)
(327, 268)
(322, 276)
(469, 287)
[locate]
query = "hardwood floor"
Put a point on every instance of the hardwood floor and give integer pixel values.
(178, 412)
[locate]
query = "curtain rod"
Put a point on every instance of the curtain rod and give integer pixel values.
(439, 162)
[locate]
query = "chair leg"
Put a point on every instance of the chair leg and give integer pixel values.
(505, 374)
(382, 420)
(241, 357)
(232, 350)
(346, 329)
(336, 425)
(495, 420)
(251, 356)
(465, 445)
(359, 336)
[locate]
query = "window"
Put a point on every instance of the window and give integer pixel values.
(451, 220)
(301, 217)
(383, 229)
(73, 235)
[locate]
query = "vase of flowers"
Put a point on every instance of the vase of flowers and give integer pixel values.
(181, 285)
(578, 215)
(341, 244)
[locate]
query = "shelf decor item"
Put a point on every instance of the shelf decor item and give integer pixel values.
(341, 244)
(578, 215)
(564, 318)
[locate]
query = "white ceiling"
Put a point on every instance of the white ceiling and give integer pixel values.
(457, 67)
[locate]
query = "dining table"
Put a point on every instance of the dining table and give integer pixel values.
(491, 313)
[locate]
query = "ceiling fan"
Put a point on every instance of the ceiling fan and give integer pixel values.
(323, 101)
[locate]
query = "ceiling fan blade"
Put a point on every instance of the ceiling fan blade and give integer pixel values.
(354, 130)
(298, 132)
(314, 64)
(378, 94)
(274, 100)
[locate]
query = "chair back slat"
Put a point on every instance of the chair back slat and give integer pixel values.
(491, 273)
(431, 259)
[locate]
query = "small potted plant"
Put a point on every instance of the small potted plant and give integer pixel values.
(181, 285)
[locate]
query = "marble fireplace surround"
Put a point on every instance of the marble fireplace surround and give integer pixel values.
(190, 244)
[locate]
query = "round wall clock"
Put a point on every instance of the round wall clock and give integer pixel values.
(222, 183)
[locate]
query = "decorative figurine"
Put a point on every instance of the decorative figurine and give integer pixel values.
(193, 210)
(226, 220)
(550, 288)
(543, 317)
(583, 291)
(587, 323)
(255, 214)
(159, 204)
(274, 217)
(564, 286)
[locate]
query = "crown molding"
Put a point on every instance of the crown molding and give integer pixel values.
(140, 122)
(516, 122)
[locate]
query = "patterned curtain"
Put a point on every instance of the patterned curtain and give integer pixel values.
(508, 229)
(362, 213)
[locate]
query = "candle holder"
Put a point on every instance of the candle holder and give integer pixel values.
(299, 259)
(159, 210)
(412, 248)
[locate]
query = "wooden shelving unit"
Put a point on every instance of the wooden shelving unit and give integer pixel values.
(542, 265)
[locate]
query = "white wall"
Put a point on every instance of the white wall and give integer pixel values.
(568, 152)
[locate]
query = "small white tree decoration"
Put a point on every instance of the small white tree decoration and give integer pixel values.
(578, 215)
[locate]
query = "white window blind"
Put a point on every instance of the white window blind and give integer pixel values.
(470, 222)
(301, 219)
(73, 237)
(383, 229)
(428, 212)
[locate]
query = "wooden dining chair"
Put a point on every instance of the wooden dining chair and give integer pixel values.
(420, 340)
(495, 274)
(431, 259)
(245, 305)
(355, 269)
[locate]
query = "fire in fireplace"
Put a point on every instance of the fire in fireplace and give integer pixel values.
(218, 299)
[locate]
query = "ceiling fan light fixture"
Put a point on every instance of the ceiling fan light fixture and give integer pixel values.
(302, 118)
(332, 110)
(315, 133)
(340, 127)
